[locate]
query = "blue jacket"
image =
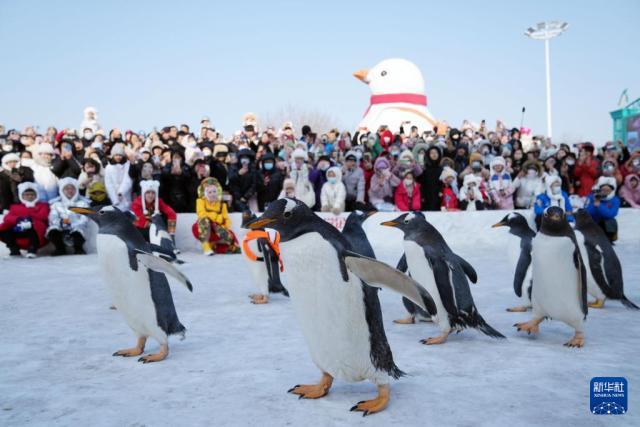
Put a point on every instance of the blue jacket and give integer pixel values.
(543, 201)
(608, 208)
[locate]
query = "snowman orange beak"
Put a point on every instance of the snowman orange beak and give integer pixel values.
(362, 75)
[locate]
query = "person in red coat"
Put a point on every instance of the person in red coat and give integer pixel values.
(586, 170)
(449, 190)
(148, 204)
(407, 195)
(23, 227)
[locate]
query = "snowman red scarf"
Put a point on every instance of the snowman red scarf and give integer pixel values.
(392, 98)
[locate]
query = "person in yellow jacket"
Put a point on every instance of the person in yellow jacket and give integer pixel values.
(213, 227)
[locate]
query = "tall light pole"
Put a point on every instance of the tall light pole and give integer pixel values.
(546, 31)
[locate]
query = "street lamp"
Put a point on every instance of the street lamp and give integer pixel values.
(546, 31)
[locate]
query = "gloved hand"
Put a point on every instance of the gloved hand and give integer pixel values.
(22, 225)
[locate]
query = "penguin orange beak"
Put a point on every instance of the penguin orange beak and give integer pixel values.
(82, 211)
(389, 223)
(362, 75)
(260, 223)
(500, 224)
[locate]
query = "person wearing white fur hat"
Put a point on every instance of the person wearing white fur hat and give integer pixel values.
(500, 184)
(43, 172)
(300, 175)
(470, 197)
(65, 226)
(148, 204)
(603, 204)
(552, 196)
(449, 190)
(117, 180)
(90, 120)
(11, 175)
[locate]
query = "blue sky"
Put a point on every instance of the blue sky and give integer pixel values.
(145, 64)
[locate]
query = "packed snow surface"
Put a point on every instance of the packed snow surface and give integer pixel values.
(238, 359)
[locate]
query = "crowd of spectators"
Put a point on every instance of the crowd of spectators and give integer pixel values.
(199, 170)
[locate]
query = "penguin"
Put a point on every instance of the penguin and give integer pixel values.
(414, 311)
(521, 257)
(444, 275)
(559, 277)
(161, 241)
(137, 281)
(356, 235)
(338, 312)
(261, 253)
(604, 271)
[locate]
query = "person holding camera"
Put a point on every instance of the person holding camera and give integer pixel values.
(603, 204)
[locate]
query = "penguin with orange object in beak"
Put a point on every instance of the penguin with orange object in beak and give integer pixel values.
(336, 306)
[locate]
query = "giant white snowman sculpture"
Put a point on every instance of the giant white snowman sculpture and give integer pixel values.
(397, 96)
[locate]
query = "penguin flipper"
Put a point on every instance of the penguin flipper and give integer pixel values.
(467, 268)
(402, 264)
(582, 280)
(374, 272)
(155, 263)
(163, 251)
(521, 271)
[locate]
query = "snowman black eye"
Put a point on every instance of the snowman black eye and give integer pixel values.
(384, 73)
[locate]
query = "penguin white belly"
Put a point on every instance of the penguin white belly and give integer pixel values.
(592, 286)
(555, 288)
(130, 290)
(257, 269)
(422, 273)
(331, 312)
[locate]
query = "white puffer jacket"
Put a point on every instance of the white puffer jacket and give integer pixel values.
(333, 196)
(60, 217)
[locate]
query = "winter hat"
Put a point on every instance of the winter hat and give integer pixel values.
(352, 154)
(386, 137)
(497, 161)
(11, 157)
(45, 148)
(220, 148)
(337, 171)
(299, 153)
(446, 173)
(406, 154)
(97, 191)
(24, 186)
(63, 182)
(117, 149)
(606, 180)
(381, 163)
(476, 157)
(145, 187)
(470, 178)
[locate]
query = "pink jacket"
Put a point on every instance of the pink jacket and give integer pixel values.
(632, 196)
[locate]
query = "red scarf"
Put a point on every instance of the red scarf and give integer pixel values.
(390, 98)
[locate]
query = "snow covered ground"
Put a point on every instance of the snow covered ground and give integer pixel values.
(239, 360)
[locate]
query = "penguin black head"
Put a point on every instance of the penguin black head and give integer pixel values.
(290, 217)
(110, 219)
(408, 222)
(554, 221)
(583, 218)
(517, 224)
(247, 217)
(358, 217)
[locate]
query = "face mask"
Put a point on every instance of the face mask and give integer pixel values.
(395, 153)
(405, 161)
(7, 147)
(324, 167)
(88, 135)
(332, 179)
(26, 162)
(485, 151)
(244, 161)
(571, 162)
(268, 166)
(609, 168)
(408, 182)
(421, 158)
(532, 173)
(556, 190)
(476, 166)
